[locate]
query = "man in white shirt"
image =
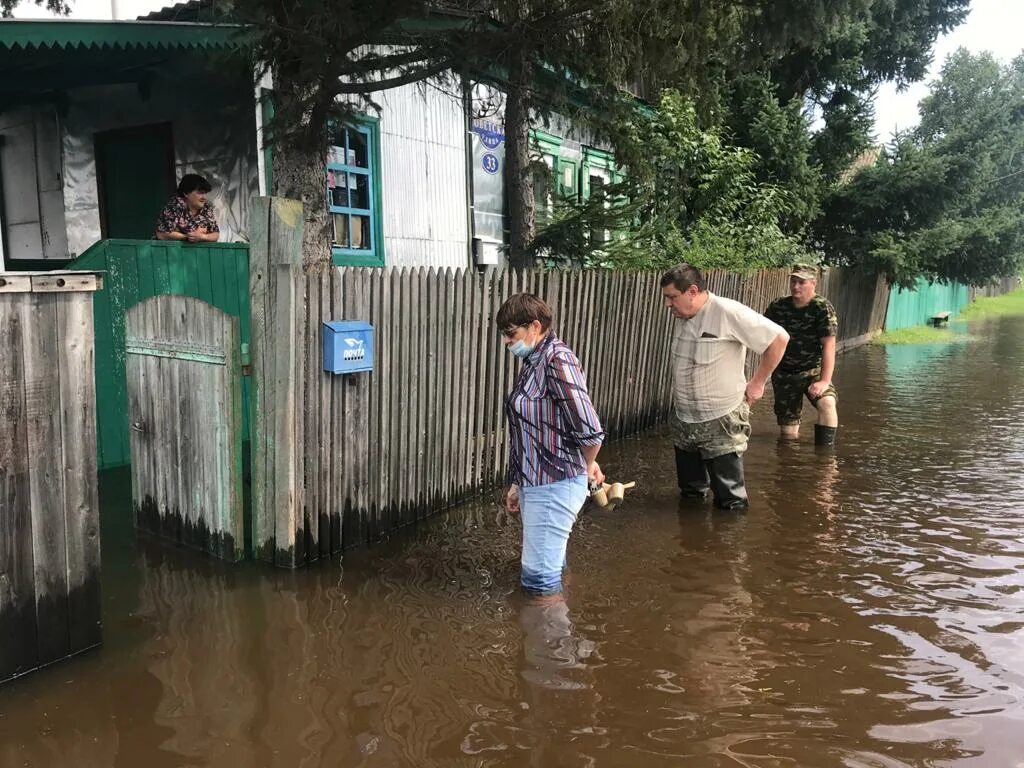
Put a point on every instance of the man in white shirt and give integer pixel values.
(710, 339)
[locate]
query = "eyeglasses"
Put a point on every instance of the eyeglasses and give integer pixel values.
(508, 333)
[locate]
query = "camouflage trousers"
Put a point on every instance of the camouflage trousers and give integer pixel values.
(790, 390)
(717, 437)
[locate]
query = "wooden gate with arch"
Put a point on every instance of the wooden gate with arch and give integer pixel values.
(183, 365)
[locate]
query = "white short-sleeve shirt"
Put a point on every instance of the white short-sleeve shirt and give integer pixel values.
(708, 354)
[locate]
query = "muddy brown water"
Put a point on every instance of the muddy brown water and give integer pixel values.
(866, 611)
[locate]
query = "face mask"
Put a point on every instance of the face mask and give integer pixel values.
(520, 348)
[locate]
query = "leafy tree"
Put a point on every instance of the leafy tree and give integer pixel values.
(685, 194)
(945, 201)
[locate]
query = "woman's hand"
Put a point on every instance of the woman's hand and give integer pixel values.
(594, 473)
(512, 500)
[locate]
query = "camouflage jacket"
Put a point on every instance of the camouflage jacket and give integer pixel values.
(806, 327)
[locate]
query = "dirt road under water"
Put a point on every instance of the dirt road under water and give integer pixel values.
(868, 610)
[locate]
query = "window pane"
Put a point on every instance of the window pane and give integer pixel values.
(360, 190)
(337, 183)
(340, 229)
(358, 152)
(336, 154)
(361, 232)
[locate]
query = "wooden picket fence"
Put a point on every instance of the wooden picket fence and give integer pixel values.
(342, 460)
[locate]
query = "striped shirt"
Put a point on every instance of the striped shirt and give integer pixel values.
(549, 417)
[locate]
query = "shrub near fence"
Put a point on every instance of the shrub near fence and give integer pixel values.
(343, 460)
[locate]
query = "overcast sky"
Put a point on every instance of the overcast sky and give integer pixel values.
(993, 25)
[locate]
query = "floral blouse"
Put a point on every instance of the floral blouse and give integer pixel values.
(178, 217)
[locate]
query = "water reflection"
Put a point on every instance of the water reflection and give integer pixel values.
(867, 611)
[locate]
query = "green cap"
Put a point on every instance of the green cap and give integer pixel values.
(804, 272)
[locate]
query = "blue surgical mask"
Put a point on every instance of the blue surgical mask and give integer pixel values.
(520, 348)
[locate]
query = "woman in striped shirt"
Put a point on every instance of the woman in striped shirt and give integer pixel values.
(554, 437)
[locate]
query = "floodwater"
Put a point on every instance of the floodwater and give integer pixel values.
(868, 610)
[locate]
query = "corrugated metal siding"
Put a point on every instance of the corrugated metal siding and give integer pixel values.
(915, 307)
(424, 178)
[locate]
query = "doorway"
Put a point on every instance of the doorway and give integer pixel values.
(135, 174)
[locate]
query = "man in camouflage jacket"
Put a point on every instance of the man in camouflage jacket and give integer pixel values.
(806, 369)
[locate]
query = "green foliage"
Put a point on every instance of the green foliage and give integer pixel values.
(686, 194)
(946, 201)
(995, 306)
(920, 334)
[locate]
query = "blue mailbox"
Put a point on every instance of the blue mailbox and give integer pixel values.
(348, 346)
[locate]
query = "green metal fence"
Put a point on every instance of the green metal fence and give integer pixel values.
(217, 273)
(908, 308)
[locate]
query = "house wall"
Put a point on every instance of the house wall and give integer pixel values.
(214, 135)
(423, 154)
(30, 179)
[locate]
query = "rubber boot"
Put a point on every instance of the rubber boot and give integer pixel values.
(727, 481)
(691, 474)
(824, 435)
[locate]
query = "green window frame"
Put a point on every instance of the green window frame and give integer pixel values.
(354, 194)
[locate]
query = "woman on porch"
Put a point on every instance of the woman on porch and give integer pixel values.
(188, 215)
(554, 438)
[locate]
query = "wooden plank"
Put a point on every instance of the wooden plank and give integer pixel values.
(480, 343)
(285, 408)
(178, 459)
(12, 282)
(499, 359)
(458, 424)
(414, 394)
(466, 382)
(405, 377)
(276, 226)
(362, 387)
(233, 532)
(299, 410)
(375, 277)
(46, 476)
(260, 353)
(339, 446)
(17, 581)
(382, 380)
(66, 282)
(75, 365)
(446, 365)
(324, 425)
(311, 433)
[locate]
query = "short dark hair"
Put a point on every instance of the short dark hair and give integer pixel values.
(193, 182)
(522, 309)
(682, 276)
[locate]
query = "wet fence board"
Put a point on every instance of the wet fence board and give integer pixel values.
(185, 409)
(49, 508)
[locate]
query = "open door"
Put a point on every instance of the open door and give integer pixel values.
(135, 172)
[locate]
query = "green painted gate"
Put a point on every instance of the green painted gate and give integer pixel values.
(217, 273)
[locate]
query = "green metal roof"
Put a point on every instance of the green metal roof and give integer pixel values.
(18, 35)
(43, 60)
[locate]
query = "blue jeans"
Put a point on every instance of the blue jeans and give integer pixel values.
(548, 512)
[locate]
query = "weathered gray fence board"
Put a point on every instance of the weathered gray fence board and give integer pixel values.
(185, 395)
(75, 365)
(46, 481)
(49, 532)
(17, 583)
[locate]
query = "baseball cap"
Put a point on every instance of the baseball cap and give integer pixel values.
(804, 272)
